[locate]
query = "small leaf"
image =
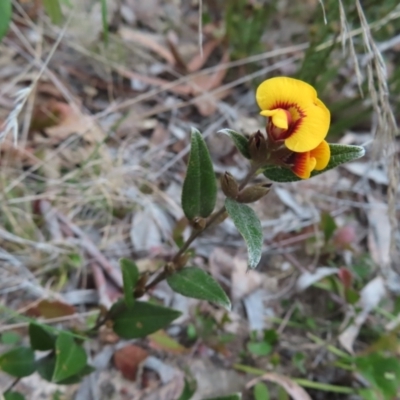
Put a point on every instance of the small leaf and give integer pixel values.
(328, 225)
(53, 8)
(189, 389)
(10, 338)
(235, 396)
(259, 348)
(241, 142)
(249, 226)
(71, 358)
(41, 338)
(196, 283)
(13, 396)
(340, 154)
(261, 392)
(130, 276)
(18, 362)
(5, 17)
(142, 319)
(199, 192)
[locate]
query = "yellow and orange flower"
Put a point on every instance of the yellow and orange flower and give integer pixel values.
(297, 118)
(317, 159)
(296, 115)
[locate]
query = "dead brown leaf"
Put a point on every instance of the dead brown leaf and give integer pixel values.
(200, 59)
(51, 309)
(128, 359)
(148, 41)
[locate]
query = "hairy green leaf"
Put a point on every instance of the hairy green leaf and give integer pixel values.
(130, 276)
(196, 283)
(340, 154)
(199, 192)
(240, 141)
(18, 362)
(141, 320)
(5, 17)
(249, 226)
(71, 358)
(41, 338)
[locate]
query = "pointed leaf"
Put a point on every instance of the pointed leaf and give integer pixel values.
(18, 362)
(5, 17)
(189, 389)
(199, 192)
(340, 154)
(41, 338)
(249, 226)
(130, 277)
(235, 396)
(71, 358)
(241, 142)
(142, 319)
(196, 283)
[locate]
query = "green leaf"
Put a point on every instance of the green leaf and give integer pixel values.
(46, 365)
(382, 372)
(18, 362)
(5, 17)
(41, 338)
(53, 8)
(199, 192)
(196, 283)
(141, 320)
(259, 348)
(70, 358)
(249, 226)
(189, 389)
(130, 277)
(340, 154)
(328, 225)
(235, 396)
(261, 392)
(241, 142)
(14, 396)
(10, 338)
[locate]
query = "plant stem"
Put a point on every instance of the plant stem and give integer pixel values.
(194, 235)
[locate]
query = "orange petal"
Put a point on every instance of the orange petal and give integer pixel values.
(303, 165)
(322, 154)
(312, 129)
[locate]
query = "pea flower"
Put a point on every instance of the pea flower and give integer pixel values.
(297, 119)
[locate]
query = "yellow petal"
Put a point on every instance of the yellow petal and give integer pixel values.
(312, 128)
(322, 154)
(279, 117)
(281, 92)
(303, 165)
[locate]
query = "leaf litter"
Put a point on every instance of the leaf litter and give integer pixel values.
(123, 113)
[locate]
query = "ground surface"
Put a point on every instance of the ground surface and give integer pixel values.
(97, 171)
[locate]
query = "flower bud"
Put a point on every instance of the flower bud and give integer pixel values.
(258, 148)
(229, 185)
(253, 193)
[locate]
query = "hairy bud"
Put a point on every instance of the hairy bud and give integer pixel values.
(253, 193)
(258, 148)
(229, 185)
